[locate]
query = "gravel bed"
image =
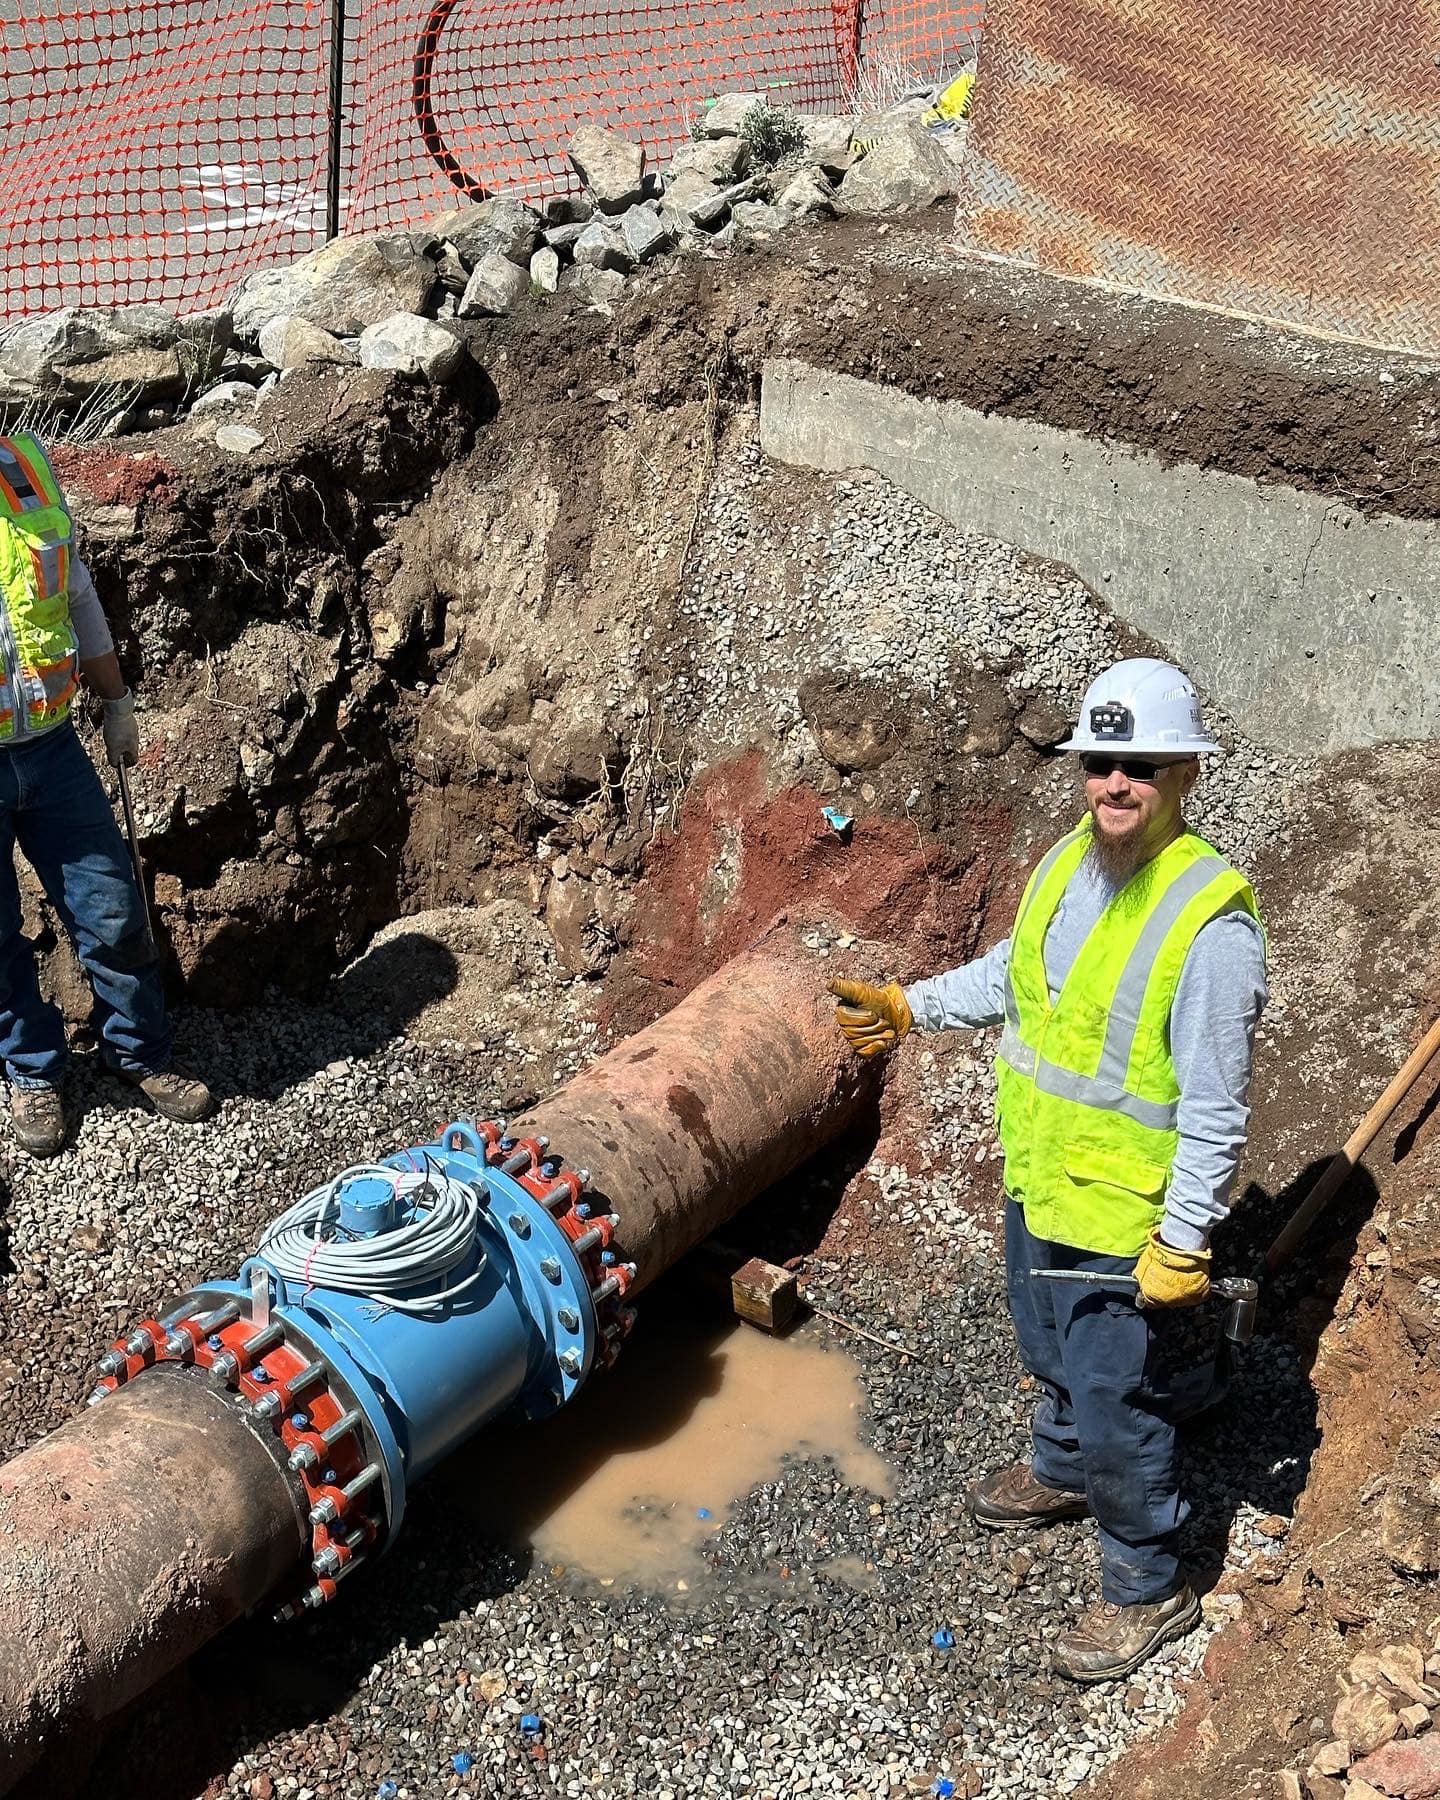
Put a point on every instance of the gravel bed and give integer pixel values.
(772, 1676)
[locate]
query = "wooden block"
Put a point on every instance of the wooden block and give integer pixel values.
(764, 1295)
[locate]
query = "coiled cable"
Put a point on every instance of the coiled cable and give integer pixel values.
(437, 1239)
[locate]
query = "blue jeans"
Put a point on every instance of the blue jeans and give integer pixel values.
(53, 806)
(1115, 1382)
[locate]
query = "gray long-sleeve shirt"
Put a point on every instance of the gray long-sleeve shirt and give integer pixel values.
(1221, 994)
(87, 616)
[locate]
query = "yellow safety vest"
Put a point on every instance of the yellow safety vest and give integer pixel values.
(38, 647)
(1087, 1089)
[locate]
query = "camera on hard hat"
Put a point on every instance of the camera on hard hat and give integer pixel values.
(1112, 721)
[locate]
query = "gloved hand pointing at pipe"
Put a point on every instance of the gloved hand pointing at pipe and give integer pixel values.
(874, 1019)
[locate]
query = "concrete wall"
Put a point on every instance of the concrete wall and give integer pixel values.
(1315, 626)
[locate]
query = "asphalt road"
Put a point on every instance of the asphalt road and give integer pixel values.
(164, 149)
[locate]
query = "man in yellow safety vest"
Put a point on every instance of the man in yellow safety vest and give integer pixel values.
(53, 638)
(1129, 991)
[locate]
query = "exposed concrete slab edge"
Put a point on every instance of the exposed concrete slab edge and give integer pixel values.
(1314, 624)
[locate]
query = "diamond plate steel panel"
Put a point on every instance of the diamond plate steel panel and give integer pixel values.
(1259, 155)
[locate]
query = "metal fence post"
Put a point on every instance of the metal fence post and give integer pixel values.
(337, 119)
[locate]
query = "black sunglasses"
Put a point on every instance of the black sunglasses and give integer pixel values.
(1133, 768)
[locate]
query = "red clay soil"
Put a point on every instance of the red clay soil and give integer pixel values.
(743, 855)
(111, 477)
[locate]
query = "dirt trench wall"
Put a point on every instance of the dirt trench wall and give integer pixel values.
(414, 651)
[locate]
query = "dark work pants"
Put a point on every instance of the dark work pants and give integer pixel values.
(1114, 1382)
(53, 807)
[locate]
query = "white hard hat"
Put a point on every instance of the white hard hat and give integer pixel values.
(1145, 706)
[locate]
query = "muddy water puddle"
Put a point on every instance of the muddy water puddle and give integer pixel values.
(630, 1483)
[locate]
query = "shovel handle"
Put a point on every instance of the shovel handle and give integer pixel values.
(128, 810)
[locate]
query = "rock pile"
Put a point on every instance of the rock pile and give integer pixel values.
(394, 300)
(1382, 1732)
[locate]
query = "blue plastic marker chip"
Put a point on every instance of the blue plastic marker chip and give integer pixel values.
(944, 1638)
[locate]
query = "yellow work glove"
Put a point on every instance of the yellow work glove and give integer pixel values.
(874, 1019)
(1170, 1277)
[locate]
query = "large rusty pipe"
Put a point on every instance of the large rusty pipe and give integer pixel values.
(685, 1123)
(129, 1537)
(140, 1529)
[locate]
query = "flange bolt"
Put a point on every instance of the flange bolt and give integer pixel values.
(324, 1511)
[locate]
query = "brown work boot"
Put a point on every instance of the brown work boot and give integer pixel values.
(1013, 1500)
(174, 1093)
(1112, 1640)
(39, 1119)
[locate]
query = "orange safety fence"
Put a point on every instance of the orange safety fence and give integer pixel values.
(160, 151)
(156, 150)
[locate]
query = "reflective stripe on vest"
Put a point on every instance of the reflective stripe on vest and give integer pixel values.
(40, 653)
(1088, 1091)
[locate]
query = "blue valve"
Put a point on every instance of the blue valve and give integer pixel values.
(944, 1638)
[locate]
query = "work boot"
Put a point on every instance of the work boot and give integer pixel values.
(1112, 1640)
(39, 1119)
(174, 1093)
(1013, 1500)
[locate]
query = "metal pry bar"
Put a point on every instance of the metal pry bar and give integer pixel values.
(1239, 1290)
